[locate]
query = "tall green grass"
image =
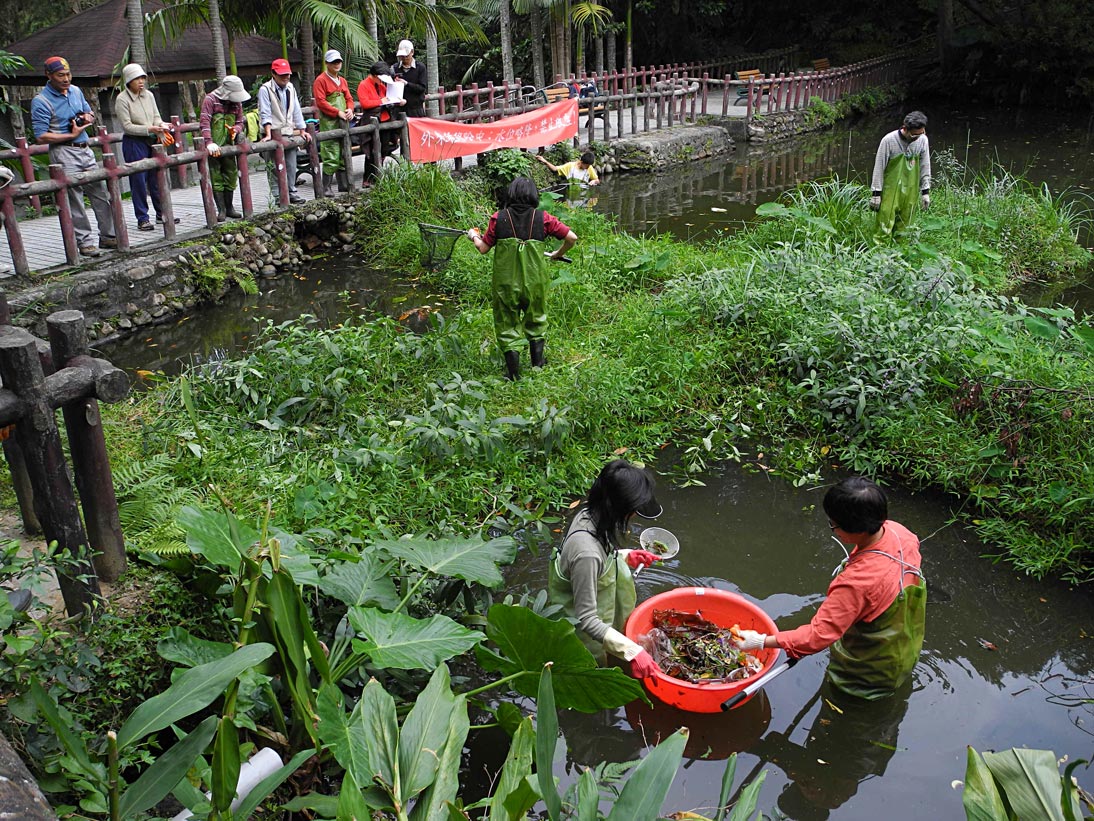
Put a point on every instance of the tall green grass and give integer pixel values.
(802, 337)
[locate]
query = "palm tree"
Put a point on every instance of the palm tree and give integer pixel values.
(134, 16)
(218, 44)
(587, 12)
(506, 41)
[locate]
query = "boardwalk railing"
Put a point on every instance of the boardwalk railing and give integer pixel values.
(651, 97)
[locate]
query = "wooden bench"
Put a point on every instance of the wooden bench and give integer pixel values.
(823, 64)
(756, 76)
(561, 91)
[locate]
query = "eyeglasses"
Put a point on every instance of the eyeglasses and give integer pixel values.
(832, 525)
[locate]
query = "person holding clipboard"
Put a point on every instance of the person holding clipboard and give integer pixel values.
(377, 94)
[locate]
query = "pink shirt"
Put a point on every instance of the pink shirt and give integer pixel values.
(552, 227)
(861, 592)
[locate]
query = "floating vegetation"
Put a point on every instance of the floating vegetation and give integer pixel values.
(688, 647)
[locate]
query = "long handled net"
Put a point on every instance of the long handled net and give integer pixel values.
(438, 243)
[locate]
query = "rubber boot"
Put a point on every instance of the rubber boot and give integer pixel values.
(218, 199)
(512, 365)
(343, 182)
(328, 181)
(230, 209)
(535, 348)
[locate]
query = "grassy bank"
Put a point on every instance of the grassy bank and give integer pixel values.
(801, 337)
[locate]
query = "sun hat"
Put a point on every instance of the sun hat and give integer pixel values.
(332, 56)
(131, 72)
(280, 66)
(405, 47)
(233, 87)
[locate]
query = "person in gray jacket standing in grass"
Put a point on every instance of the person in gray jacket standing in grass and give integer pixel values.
(902, 175)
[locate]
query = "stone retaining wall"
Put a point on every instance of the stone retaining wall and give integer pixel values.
(661, 149)
(126, 293)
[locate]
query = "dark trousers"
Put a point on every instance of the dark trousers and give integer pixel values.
(144, 183)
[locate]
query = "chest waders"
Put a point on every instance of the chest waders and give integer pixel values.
(873, 658)
(899, 195)
(615, 596)
(330, 152)
(223, 171)
(519, 285)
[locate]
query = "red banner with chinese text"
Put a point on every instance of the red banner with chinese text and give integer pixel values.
(432, 140)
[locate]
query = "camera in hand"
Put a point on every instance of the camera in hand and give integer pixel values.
(80, 120)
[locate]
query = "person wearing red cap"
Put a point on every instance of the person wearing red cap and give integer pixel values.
(279, 107)
(60, 116)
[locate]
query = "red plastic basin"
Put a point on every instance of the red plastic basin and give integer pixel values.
(717, 606)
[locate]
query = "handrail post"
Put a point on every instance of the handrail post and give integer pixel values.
(64, 213)
(347, 155)
(313, 155)
(204, 182)
(15, 237)
(245, 178)
(167, 206)
(280, 169)
(27, 165)
(114, 190)
(177, 148)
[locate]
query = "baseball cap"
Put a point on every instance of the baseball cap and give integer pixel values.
(405, 48)
(55, 64)
(280, 66)
(332, 56)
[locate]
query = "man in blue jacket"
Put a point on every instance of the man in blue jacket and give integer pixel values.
(61, 116)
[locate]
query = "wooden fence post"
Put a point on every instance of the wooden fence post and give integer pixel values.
(86, 443)
(40, 441)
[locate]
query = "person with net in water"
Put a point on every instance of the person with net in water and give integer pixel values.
(518, 234)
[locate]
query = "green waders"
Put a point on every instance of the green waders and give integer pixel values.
(330, 152)
(519, 285)
(615, 597)
(223, 171)
(875, 657)
(899, 195)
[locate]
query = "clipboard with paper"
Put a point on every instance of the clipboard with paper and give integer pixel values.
(394, 92)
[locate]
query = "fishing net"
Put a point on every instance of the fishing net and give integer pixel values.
(438, 243)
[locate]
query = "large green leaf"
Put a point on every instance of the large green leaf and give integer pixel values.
(376, 710)
(226, 764)
(351, 804)
(1031, 781)
(433, 803)
(518, 764)
(727, 786)
(344, 735)
(402, 642)
(60, 722)
(268, 784)
(289, 622)
(588, 797)
(1041, 327)
(528, 641)
(470, 559)
(218, 536)
(195, 689)
(546, 741)
(981, 797)
(647, 786)
(423, 735)
(182, 647)
(362, 582)
(156, 782)
(750, 796)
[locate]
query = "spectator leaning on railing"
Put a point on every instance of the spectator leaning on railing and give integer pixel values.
(279, 107)
(135, 108)
(221, 124)
(60, 117)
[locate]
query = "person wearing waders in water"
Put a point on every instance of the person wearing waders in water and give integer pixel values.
(902, 175)
(517, 233)
(874, 614)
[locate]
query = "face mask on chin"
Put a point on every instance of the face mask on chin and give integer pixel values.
(909, 138)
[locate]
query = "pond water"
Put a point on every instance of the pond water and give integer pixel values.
(1006, 661)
